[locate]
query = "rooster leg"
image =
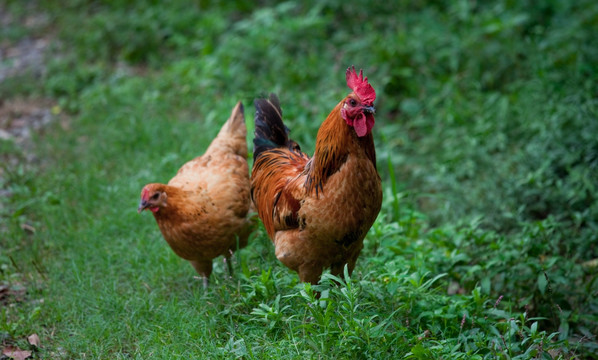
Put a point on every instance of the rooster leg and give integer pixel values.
(351, 262)
(228, 262)
(338, 270)
(203, 268)
(310, 272)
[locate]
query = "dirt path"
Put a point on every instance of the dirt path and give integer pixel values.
(22, 58)
(23, 50)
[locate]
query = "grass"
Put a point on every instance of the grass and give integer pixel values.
(485, 246)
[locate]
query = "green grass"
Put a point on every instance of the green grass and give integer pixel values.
(486, 130)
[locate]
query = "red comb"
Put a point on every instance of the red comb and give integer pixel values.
(360, 85)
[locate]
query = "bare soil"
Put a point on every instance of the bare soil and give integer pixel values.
(25, 54)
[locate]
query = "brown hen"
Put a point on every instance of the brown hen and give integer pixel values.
(202, 211)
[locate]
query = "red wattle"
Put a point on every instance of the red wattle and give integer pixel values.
(360, 125)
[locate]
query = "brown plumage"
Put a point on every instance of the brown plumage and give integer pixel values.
(202, 212)
(318, 210)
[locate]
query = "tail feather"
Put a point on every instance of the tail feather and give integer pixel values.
(235, 125)
(232, 135)
(270, 131)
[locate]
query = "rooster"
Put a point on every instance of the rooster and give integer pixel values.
(202, 211)
(318, 210)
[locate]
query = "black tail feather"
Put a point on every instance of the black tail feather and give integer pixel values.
(270, 131)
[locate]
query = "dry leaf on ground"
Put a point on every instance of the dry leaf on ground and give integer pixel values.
(15, 353)
(34, 340)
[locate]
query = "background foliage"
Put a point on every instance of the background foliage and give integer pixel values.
(486, 245)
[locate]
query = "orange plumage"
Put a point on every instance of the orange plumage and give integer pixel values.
(318, 210)
(202, 211)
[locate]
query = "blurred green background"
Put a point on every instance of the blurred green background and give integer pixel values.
(487, 141)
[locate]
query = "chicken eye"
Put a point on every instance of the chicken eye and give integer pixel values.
(155, 196)
(352, 102)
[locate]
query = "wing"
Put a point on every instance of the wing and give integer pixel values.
(277, 188)
(190, 175)
(228, 185)
(224, 164)
(224, 179)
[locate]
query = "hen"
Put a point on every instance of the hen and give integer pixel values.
(318, 210)
(202, 211)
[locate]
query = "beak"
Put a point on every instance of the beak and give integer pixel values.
(142, 206)
(369, 109)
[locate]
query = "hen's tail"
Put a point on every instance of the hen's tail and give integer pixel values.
(235, 125)
(270, 131)
(232, 135)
